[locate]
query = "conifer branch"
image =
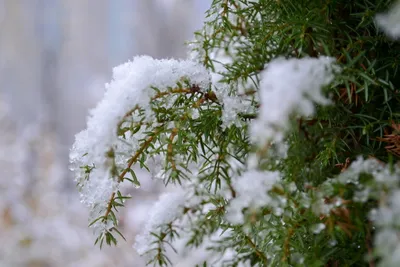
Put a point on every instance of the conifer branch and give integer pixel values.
(259, 253)
(298, 153)
(132, 161)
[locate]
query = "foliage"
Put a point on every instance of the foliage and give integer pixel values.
(276, 137)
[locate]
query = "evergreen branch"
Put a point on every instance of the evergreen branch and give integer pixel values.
(283, 195)
(132, 161)
(286, 245)
(259, 253)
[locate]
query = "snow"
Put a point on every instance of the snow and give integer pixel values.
(318, 228)
(129, 88)
(386, 216)
(166, 209)
(380, 171)
(232, 106)
(252, 191)
(289, 86)
(387, 244)
(197, 256)
(389, 22)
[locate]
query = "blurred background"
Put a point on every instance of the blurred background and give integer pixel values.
(55, 56)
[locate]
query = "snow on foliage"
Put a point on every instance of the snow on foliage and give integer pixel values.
(202, 254)
(299, 82)
(130, 87)
(289, 86)
(166, 209)
(390, 21)
(233, 105)
(386, 217)
(381, 173)
(252, 192)
(271, 205)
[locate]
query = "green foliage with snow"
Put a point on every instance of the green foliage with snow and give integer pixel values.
(281, 132)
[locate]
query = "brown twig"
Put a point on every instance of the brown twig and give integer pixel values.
(233, 192)
(130, 163)
(286, 245)
(170, 155)
(393, 140)
(259, 253)
(172, 91)
(129, 113)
